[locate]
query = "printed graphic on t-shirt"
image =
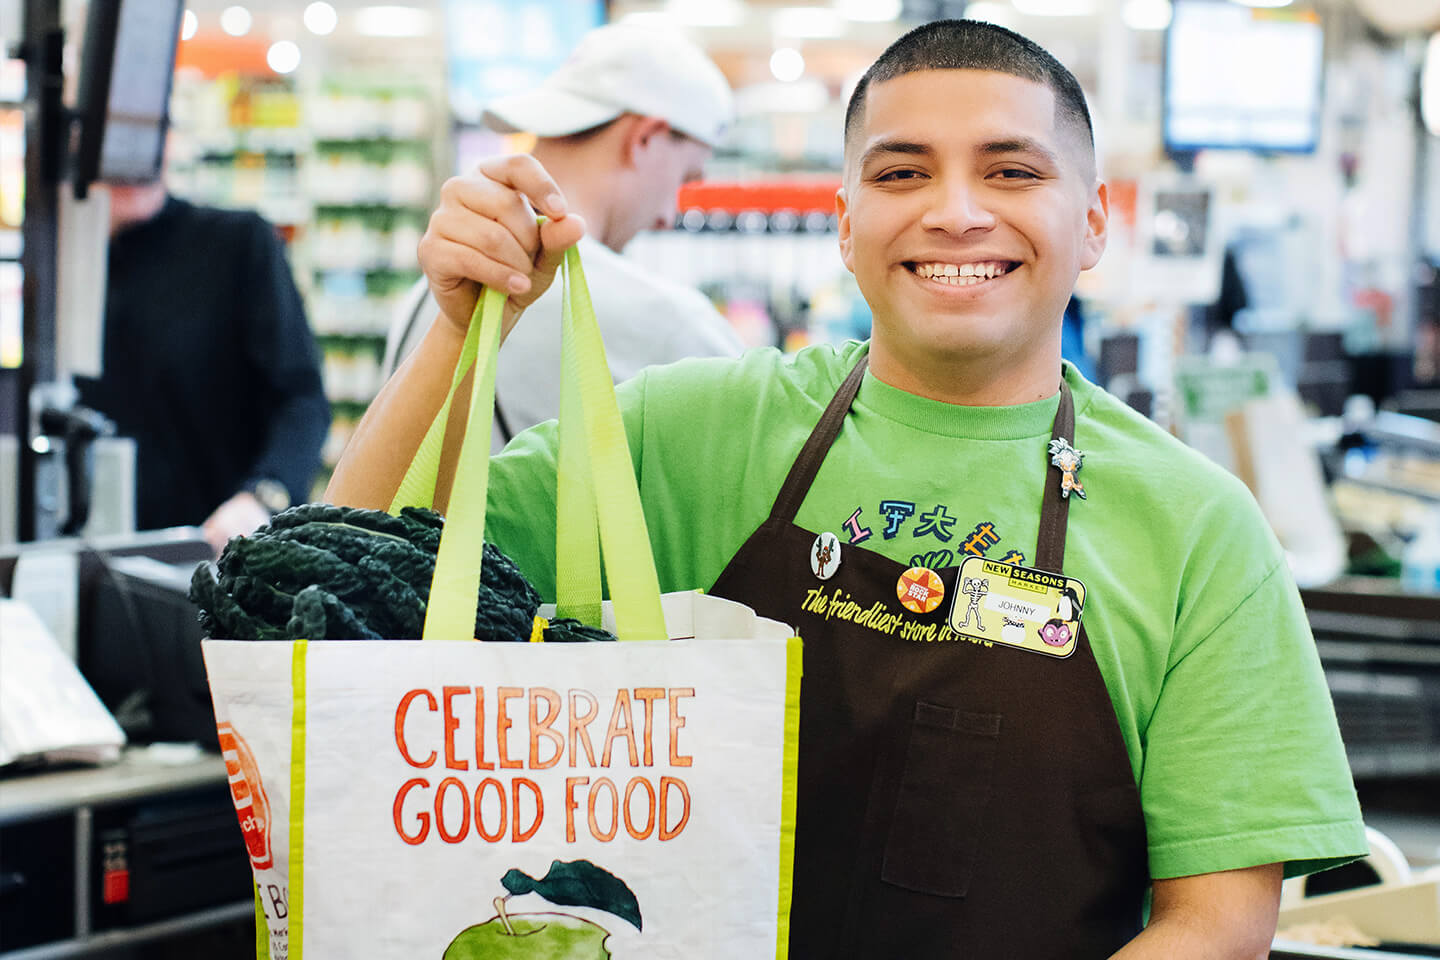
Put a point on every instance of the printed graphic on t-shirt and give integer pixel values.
(934, 524)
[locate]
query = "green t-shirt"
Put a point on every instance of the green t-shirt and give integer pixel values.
(1194, 619)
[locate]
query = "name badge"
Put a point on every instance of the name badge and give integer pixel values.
(1017, 606)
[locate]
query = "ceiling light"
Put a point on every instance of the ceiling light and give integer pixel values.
(235, 21)
(1055, 8)
(990, 11)
(1146, 14)
(283, 56)
(869, 11)
(786, 64)
(189, 23)
(1264, 3)
(807, 22)
(392, 21)
(706, 13)
(320, 18)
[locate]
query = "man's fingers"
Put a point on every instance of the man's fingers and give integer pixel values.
(523, 173)
(494, 240)
(557, 236)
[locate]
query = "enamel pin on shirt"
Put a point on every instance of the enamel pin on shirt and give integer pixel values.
(825, 555)
(1068, 461)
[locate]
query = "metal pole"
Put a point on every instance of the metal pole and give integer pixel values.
(45, 141)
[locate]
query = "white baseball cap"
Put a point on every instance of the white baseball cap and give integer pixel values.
(618, 69)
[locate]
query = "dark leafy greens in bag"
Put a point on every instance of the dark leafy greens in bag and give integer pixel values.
(323, 572)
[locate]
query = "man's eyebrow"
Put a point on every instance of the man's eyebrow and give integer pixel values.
(910, 147)
(1019, 145)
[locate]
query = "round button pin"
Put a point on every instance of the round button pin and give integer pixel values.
(920, 590)
(825, 555)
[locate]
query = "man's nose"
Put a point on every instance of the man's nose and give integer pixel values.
(958, 207)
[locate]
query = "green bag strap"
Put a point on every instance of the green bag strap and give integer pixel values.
(598, 502)
(596, 485)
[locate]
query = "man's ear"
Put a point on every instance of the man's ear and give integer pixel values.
(1097, 226)
(847, 249)
(640, 135)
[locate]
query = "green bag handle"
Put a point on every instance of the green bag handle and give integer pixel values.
(597, 500)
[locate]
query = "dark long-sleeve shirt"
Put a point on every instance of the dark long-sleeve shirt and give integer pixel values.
(208, 362)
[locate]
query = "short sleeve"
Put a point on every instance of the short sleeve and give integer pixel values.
(1243, 759)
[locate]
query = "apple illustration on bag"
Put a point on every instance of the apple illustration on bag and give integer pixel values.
(550, 936)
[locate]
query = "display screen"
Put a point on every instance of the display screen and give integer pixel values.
(1242, 78)
(125, 75)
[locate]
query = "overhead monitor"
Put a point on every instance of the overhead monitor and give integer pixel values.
(126, 67)
(1238, 77)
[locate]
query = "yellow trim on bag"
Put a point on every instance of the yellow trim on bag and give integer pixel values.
(537, 629)
(788, 789)
(296, 880)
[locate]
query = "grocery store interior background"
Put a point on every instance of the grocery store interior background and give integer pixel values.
(1269, 292)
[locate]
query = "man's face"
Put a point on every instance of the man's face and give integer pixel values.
(662, 165)
(966, 216)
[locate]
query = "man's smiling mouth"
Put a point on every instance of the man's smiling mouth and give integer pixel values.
(960, 274)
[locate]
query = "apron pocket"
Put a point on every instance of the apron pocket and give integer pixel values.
(945, 786)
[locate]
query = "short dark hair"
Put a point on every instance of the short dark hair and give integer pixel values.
(974, 45)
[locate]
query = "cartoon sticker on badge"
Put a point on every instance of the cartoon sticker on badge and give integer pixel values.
(920, 590)
(1016, 606)
(825, 556)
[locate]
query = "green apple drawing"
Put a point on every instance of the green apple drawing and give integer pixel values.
(550, 936)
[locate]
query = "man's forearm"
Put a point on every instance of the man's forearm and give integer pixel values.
(388, 435)
(1173, 939)
(1227, 915)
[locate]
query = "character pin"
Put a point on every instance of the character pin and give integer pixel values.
(1068, 460)
(825, 555)
(920, 590)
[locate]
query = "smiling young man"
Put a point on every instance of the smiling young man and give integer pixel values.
(965, 788)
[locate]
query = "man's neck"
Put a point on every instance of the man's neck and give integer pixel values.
(977, 382)
(574, 172)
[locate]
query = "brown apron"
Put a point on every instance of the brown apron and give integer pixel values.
(954, 800)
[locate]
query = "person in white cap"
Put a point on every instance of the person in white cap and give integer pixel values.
(628, 118)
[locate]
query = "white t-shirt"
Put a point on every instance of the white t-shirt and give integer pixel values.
(644, 320)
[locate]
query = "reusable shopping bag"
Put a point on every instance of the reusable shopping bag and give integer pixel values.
(459, 800)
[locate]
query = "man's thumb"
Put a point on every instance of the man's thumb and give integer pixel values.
(556, 237)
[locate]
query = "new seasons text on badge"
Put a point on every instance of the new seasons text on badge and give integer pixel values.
(1036, 581)
(645, 806)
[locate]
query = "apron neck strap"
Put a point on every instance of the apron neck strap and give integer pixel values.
(807, 464)
(1055, 509)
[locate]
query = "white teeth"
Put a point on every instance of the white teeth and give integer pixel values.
(962, 274)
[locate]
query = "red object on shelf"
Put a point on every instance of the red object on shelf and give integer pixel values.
(766, 196)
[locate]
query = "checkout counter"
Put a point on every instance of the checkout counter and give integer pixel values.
(143, 854)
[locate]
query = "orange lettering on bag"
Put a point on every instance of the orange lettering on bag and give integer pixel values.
(452, 723)
(580, 722)
(650, 808)
(676, 722)
(516, 834)
(421, 817)
(604, 836)
(499, 833)
(480, 762)
(571, 804)
(543, 727)
(670, 833)
(648, 696)
(401, 711)
(503, 695)
(622, 727)
(446, 835)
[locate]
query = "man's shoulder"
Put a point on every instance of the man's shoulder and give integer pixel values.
(762, 376)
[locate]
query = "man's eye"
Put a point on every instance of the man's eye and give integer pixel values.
(898, 175)
(1015, 173)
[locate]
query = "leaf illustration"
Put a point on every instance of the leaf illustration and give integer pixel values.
(578, 883)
